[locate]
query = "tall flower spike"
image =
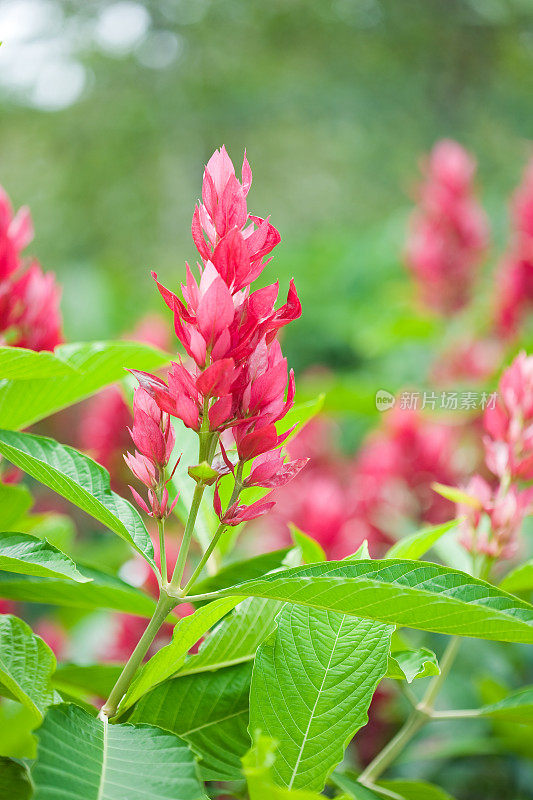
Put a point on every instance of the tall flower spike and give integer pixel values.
(237, 379)
(514, 285)
(448, 232)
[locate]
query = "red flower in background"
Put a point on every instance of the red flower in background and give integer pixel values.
(515, 280)
(105, 418)
(29, 297)
(340, 502)
(449, 232)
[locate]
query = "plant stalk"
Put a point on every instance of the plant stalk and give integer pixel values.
(416, 720)
(162, 551)
(164, 606)
(187, 536)
(212, 544)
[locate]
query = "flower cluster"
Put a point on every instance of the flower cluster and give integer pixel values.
(448, 230)
(494, 517)
(29, 297)
(236, 379)
(515, 283)
(154, 439)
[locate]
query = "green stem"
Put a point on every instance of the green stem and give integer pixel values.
(162, 551)
(237, 487)
(392, 750)
(446, 663)
(416, 720)
(187, 536)
(163, 609)
(462, 713)
(212, 544)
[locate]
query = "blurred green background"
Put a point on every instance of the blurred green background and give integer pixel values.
(109, 110)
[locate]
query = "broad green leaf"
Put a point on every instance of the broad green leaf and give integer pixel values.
(83, 758)
(312, 684)
(21, 364)
(210, 711)
(520, 579)
(236, 638)
(414, 790)
(413, 594)
(15, 501)
(238, 571)
(101, 591)
(455, 495)
(92, 679)
(310, 549)
(169, 659)
(26, 665)
(79, 479)
(257, 767)
(406, 665)
(15, 780)
(25, 554)
(89, 366)
(415, 545)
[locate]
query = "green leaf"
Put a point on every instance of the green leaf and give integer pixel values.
(310, 549)
(455, 495)
(17, 363)
(83, 758)
(169, 659)
(406, 665)
(25, 554)
(100, 591)
(15, 501)
(312, 684)
(257, 767)
(79, 479)
(210, 711)
(236, 638)
(415, 790)
(26, 665)
(88, 367)
(414, 594)
(15, 780)
(91, 679)
(520, 579)
(414, 546)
